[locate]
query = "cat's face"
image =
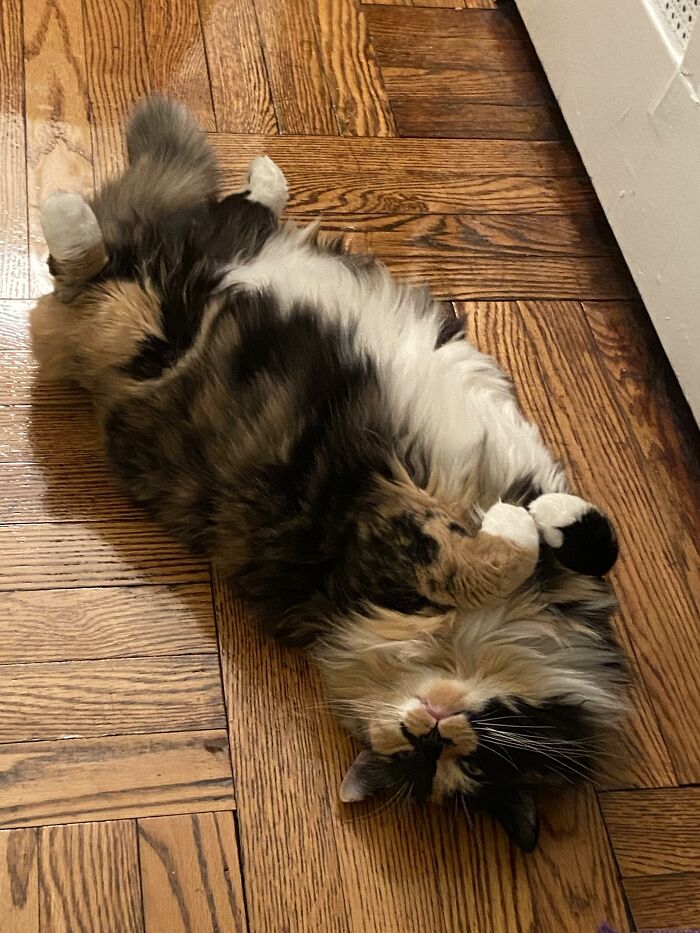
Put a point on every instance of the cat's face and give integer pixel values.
(455, 738)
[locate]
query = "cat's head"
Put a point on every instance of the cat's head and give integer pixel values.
(485, 719)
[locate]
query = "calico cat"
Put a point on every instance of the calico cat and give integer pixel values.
(361, 472)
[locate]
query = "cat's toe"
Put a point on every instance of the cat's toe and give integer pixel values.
(267, 184)
(513, 523)
(580, 535)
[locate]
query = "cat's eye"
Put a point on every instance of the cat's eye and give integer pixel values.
(470, 768)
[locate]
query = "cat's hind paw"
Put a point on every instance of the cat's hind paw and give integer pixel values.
(581, 537)
(267, 184)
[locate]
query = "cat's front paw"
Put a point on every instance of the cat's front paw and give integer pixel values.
(513, 523)
(267, 184)
(581, 537)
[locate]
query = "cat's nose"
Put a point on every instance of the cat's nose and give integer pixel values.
(436, 711)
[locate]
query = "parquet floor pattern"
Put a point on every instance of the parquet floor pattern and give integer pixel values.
(164, 768)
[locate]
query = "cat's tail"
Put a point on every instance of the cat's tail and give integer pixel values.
(165, 134)
(172, 167)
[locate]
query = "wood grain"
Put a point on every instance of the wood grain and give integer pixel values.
(59, 145)
(77, 780)
(14, 324)
(190, 874)
(52, 556)
(117, 72)
(381, 176)
(654, 832)
(435, 52)
(177, 62)
(353, 77)
(239, 85)
(664, 430)
(120, 622)
(19, 384)
(14, 265)
(271, 695)
(439, 238)
(89, 878)
(81, 699)
(667, 901)
(462, 119)
(453, 88)
(55, 435)
(661, 612)
(300, 93)
(498, 329)
(74, 491)
(398, 27)
(19, 882)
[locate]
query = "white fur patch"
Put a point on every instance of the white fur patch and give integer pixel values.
(70, 227)
(267, 184)
(554, 511)
(455, 399)
(513, 523)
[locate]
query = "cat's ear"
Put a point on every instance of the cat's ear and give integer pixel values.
(355, 785)
(516, 810)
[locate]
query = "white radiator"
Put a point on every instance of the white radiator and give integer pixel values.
(626, 74)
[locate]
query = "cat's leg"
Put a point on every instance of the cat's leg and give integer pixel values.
(579, 534)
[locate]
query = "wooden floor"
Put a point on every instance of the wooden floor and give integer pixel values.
(163, 768)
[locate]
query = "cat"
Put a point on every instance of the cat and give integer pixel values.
(360, 471)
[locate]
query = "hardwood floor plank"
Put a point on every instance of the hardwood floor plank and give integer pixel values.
(438, 88)
(100, 623)
(59, 144)
(117, 696)
(190, 874)
(462, 119)
(394, 26)
(177, 63)
(284, 810)
(77, 780)
(48, 435)
(603, 452)
(439, 160)
(654, 832)
(435, 52)
(14, 262)
(573, 876)
(19, 881)
(498, 329)
(75, 492)
(300, 92)
(668, 901)
(354, 80)
(664, 429)
(19, 384)
(53, 556)
(14, 324)
(233, 46)
(440, 237)
(117, 73)
(89, 878)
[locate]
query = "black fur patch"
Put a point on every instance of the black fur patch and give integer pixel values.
(449, 329)
(522, 491)
(590, 546)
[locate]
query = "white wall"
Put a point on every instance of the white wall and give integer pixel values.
(631, 99)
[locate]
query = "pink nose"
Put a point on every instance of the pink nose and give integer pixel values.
(437, 712)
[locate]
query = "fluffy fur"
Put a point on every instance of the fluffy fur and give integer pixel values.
(359, 469)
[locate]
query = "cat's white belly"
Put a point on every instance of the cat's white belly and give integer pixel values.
(455, 400)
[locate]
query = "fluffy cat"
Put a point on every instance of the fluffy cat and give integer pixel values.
(359, 469)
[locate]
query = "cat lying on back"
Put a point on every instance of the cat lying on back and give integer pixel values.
(362, 473)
